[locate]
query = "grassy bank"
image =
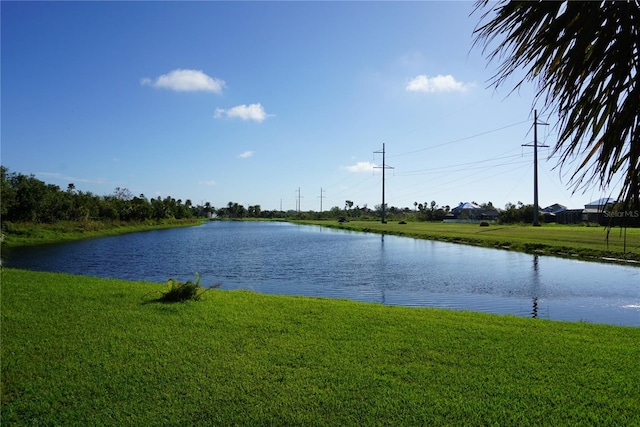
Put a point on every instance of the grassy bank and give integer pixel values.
(589, 243)
(24, 234)
(87, 351)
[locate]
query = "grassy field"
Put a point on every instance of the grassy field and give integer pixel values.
(560, 240)
(24, 234)
(87, 351)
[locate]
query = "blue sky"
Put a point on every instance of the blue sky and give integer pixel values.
(250, 101)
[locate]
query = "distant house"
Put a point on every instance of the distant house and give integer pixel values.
(551, 212)
(471, 212)
(555, 208)
(569, 216)
(599, 205)
(592, 212)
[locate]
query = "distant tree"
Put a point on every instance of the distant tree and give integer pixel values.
(141, 208)
(123, 193)
(182, 210)
(107, 211)
(519, 213)
(336, 212)
(170, 206)
(7, 193)
(378, 208)
(240, 210)
(84, 206)
(29, 195)
(234, 210)
(348, 204)
(254, 211)
(585, 57)
(159, 211)
(56, 205)
(208, 209)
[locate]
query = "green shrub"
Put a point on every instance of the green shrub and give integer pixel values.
(184, 291)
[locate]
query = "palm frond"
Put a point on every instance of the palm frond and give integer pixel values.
(584, 57)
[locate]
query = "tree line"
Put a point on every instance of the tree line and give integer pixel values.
(24, 198)
(28, 199)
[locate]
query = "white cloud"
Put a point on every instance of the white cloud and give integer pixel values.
(253, 112)
(361, 167)
(245, 155)
(439, 83)
(208, 183)
(186, 81)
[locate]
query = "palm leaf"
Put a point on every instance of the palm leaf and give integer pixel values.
(584, 57)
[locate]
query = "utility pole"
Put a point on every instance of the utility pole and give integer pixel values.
(383, 167)
(298, 191)
(536, 222)
(321, 197)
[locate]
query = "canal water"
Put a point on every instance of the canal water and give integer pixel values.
(290, 259)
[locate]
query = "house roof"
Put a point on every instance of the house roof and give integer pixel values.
(555, 208)
(467, 205)
(602, 202)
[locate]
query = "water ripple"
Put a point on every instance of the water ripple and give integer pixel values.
(282, 258)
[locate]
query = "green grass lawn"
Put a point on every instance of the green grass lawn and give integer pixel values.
(549, 239)
(87, 351)
(26, 233)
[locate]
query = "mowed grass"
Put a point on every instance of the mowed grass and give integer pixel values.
(87, 351)
(549, 239)
(27, 234)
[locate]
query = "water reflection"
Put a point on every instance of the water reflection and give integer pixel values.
(535, 286)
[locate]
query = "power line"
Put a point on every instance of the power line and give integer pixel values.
(460, 139)
(465, 181)
(350, 189)
(472, 178)
(491, 166)
(446, 169)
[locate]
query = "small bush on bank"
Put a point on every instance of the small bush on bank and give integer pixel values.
(184, 291)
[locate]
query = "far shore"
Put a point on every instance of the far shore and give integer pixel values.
(594, 243)
(32, 234)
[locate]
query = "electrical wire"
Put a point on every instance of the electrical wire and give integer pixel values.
(460, 166)
(485, 164)
(459, 140)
